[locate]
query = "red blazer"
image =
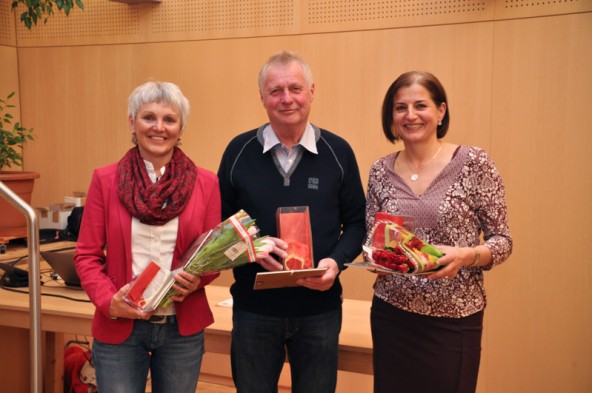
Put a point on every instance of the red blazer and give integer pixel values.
(106, 225)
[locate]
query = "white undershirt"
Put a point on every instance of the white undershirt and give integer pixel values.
(153, 242)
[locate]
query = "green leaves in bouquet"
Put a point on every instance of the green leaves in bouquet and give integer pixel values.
(43, 9)
(208, 253)
(212, 254)
(413, 242)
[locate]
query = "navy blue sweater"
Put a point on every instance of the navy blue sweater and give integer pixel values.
(328, 183)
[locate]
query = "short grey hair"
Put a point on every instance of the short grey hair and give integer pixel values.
(156, 91)
(285, 58)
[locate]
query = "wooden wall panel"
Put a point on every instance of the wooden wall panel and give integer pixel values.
(329, 15)
(519, 87)
(7, 27)
(220, 79)
(9, 74)
(511, 9)
(542, 89)
(107, 22)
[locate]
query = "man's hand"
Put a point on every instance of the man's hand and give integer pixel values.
(268, 262)
(325, 281)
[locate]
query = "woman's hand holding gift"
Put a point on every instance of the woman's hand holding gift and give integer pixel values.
(119, 308)
(185, 284)
(454, 258)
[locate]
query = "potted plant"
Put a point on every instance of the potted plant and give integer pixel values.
(13, 136)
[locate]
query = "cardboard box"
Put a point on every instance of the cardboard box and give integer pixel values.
(55, 216)
(76, 201)
(78, 198)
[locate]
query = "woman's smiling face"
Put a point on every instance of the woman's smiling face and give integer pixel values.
(415, 115)
(158, 128)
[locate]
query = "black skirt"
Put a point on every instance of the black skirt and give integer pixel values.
(416, 353)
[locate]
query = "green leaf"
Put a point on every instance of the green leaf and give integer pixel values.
(42, 9)
(12, 138)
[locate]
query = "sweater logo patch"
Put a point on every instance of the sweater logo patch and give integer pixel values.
(313, 183)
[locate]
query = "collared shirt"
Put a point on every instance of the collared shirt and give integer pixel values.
(283, 153)
(153, 243)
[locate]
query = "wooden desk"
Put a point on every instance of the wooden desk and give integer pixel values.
(61, 316)
(14, 252)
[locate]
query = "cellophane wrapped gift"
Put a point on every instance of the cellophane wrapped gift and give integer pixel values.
(293, 226)
(393, 248)
(232, 243)
(148, 288)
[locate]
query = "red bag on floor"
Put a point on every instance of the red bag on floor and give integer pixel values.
(79, 374)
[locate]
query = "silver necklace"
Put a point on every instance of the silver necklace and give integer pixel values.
(415, 175)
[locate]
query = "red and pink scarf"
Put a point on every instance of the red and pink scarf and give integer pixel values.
(155, 203)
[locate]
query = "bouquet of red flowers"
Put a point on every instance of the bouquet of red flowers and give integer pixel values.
(393, 248)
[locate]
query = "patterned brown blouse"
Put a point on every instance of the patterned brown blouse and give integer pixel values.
(465, 199)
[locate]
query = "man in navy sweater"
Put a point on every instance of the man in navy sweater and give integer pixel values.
(290, 162)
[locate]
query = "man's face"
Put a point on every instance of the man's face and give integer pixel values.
(286, 96)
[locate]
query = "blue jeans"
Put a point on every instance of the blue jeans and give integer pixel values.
(260, 343)
(174, 361)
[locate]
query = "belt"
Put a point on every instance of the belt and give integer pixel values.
(162, 319)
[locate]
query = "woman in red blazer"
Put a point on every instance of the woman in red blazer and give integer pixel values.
(149, 206)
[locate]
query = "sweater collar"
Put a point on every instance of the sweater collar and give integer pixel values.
(268, 139)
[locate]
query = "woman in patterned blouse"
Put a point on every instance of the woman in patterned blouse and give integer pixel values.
(427, 329)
